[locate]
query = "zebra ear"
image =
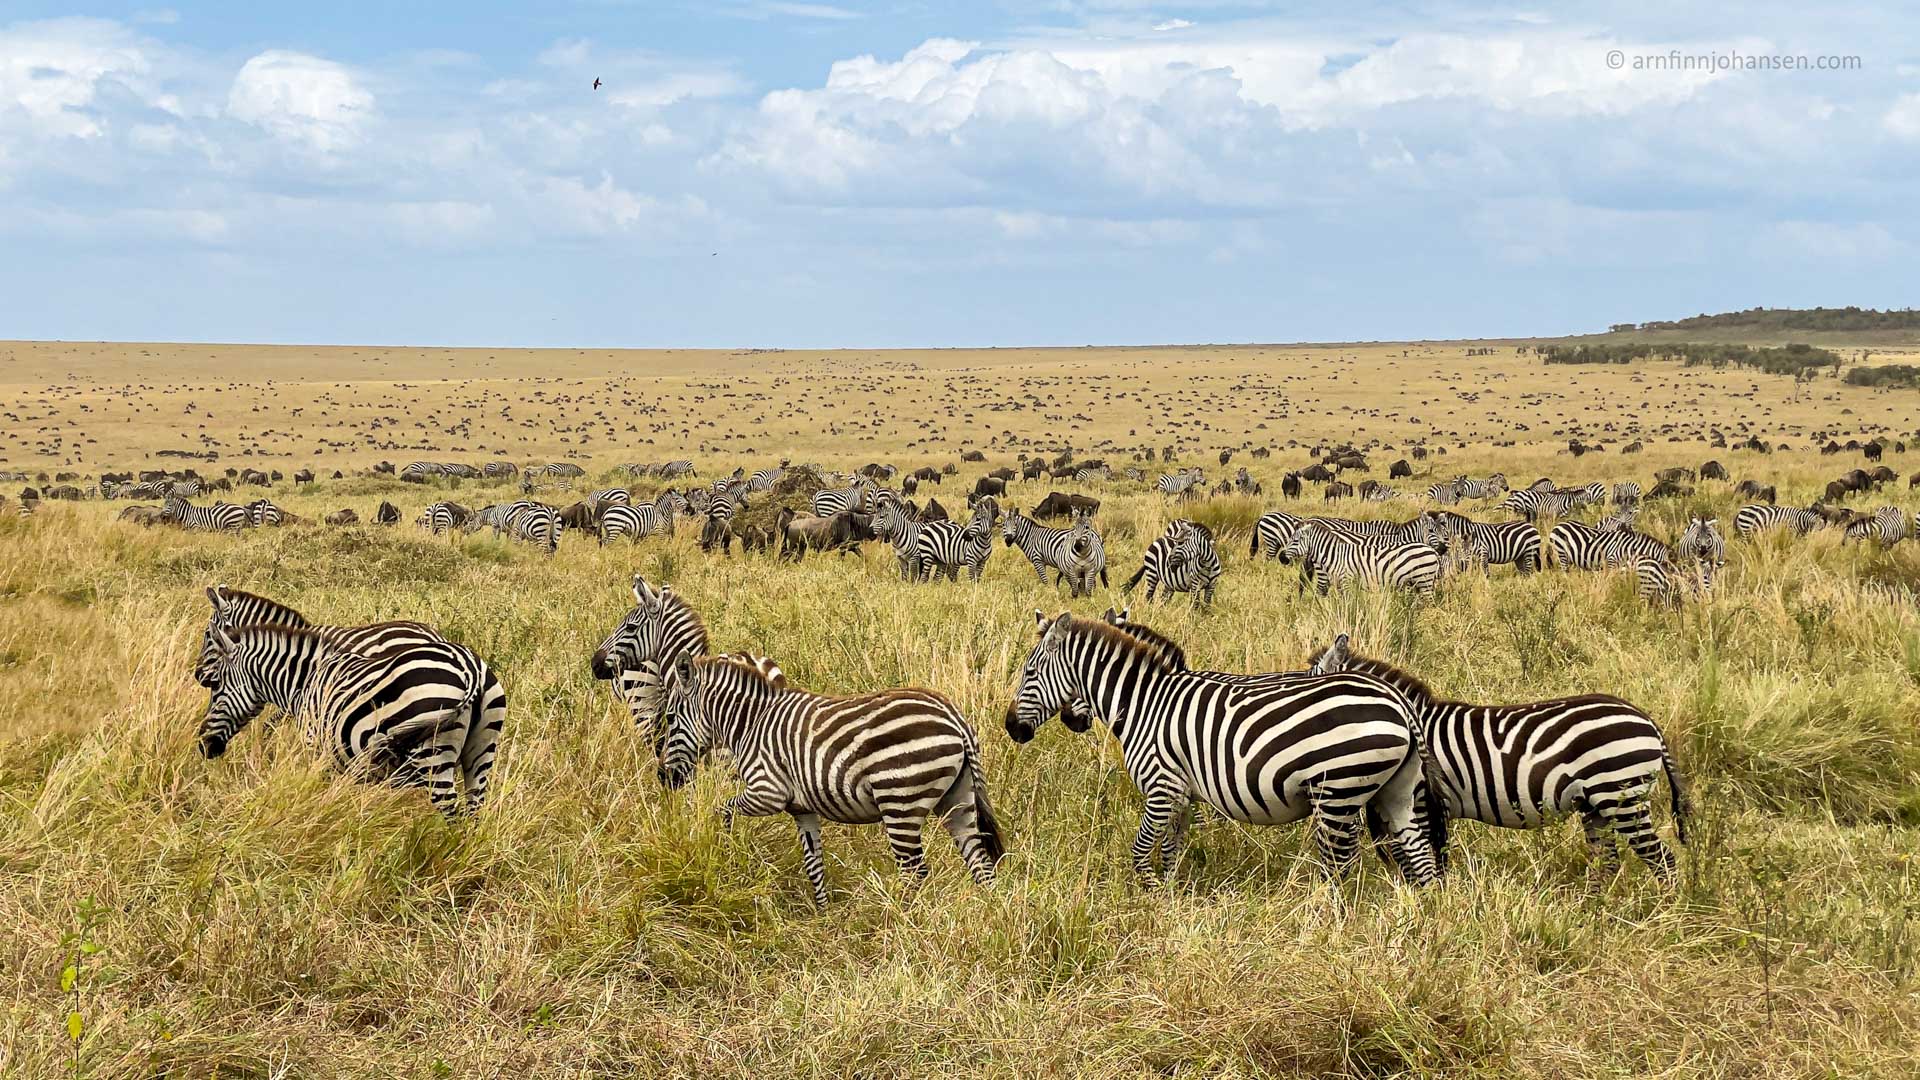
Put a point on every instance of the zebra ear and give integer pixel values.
(1039, 619)
(640, 590)
(223, 637)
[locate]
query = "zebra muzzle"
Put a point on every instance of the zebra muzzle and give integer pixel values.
(212, 746)
(1017, 729)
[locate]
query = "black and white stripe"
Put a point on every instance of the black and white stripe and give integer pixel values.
(263, 513)
(1186, 483)
(220, 517)
(427, 713)
(442, 517)
(1183, 559)
(858, 496)
(1626, 493)
(946, 546)
(1075, 553)
(1331, 559)
(234, 608)
(1271, 533)
(1517, 766)
(1497, 543)
(1260, 750)
(1886, 526)
(901, 530)
(659, 629)
(1701, 541)
(1759, 517)
(892, 757)
(534, 522)
(1577, 546)
(634, 522)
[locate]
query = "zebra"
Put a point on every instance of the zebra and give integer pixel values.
(421, 471)
(1534, 505)
(1626, 493)
(1183, 559)
(1331, 559)
(946, 546)
(891, 757)
(1887, 526)
(600, 500)
(1659, 582)
(1076, 552)
(262, 512)
(499, 470)
(675, 469)
(220, 517)
(1701, 541)
(427, 713)
(672, 502)
(445, 517)
(1514, 766)
(186, 487)
(234, 607)
(901, 530)
(1097, 473)
(1421, 529)
(1620, 520)
(1186, 483)
(1576, 546)
(1499, 543)
(1446, 492)
(1481, 489)
(857, 496)
(537, 523)
(634, 522)
(1263, 751)
(764, 479)
(1757, 517)
(659, 629)
(1271, 532)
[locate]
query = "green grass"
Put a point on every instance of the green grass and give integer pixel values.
(263, 918)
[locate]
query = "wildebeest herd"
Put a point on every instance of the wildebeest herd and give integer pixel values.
(1356, 745)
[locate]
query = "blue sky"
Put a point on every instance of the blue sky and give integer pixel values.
(785, 173)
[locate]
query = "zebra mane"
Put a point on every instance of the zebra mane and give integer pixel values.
(235, 598)
(1157, 650)
(1406, 682)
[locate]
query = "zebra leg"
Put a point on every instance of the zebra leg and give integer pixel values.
(1176, 838)
(1600, 844)
(482, 743)
(1632, 819)
(1336, 830)
(963, 824)
(904, 823)
(1153, 823)
(811, 854)
(439, 762)
(1402, 806)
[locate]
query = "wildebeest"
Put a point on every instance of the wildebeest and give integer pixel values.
(143, 515)
(909, 485)
(989, 485)
(973, 455)
(841, 532)
(1032, 468)
(1668, 489)
(1873, 450)
(1713, 470)
(343, 517)
(1353, 462)
(580, 516)
(388, 514)
(1060, 504)
(934, 511)
(1751, 489)
(1318, 474)
(304, 476)
(1400, 468)
(1339, 489)
(1003, 474)
(1226, 456)
(928, 473)
(1290, 485)
(1882, 474)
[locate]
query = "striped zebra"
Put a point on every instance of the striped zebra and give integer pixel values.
(534, 522)
(186, 487)
(1263, 751)
(1331, 559)
(1446, 492)
(1620, 520)
(1182, 559)
(1186, 483)
(499, 470)
(764, 479)
(220, 517)
(891, 757)
(1075, 553)
(1534, 505)
(1481, 489)
(423, 714)
(858, 496)
(1626, 493)
(1760, 517)
(234, 608)
(262, 512)
(1886, 526)
(901, 530)
(1271, 532)
(1660, 582)
(946, 546)
(443, 517)
(671, 501)
(1701, 541)
(1421, 529)
(422, 471)
(1498, 543)
(600, 500)
(1578, 546)
(1517, 766)
(1092, 475)
(634, 522)
(659, 629)
(673, 470)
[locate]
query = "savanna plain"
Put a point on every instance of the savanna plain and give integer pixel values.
(257, 916)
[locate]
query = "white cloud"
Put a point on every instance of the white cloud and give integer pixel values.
(1172, 24)
(302, 99)
(53, 75)
(1903, 119)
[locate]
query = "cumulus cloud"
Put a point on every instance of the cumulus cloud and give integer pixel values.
(1903, 119)
(301, 99)
(54, 74)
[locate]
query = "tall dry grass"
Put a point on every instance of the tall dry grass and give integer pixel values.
(259, 917)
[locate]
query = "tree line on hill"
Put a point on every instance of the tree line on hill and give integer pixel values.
(1759, 318)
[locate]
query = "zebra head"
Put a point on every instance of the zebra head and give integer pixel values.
(638, 636)
(1303, 545)
(688, 735)
(1335, 657)
(1048, 684)
(238, 694)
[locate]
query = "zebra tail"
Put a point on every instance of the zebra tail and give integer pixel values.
(1126, 588)
(990, 836)
(1681, 807)
(1253, 544)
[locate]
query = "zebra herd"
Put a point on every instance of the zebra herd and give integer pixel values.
(1355, 745)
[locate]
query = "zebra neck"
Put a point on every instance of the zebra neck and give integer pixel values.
(1115, 685)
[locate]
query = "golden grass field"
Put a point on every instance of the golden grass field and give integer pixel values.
(255, 916)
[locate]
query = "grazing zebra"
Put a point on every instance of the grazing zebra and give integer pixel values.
(1534, 505)
(1481, 489)
(421, 471)
(1075, 552)
(1421, 529)
(1887, 526)
(1514, 766)
(1701, 542)
(1097, 473)
(901, 530)
(858, 496)
(1271, 533)
(1183, 559)
(234, 608)
(634, 522)
(1446, 492)
(220, 517)
(499, 470)
(262, 512)
(1186, 483)
(1332, 559)
(606, 497)
(1757, 517)
(446, 517)
(659, 630)
(1626, 493)
(764, 479)
(1661, 582)
(1620, 520)
(427, 713)
(1264, 751)
(673, 470)
(671, 501)
(891, 757)
(946, 546)
(1577, 546)
(1499, 543)
(534, 522)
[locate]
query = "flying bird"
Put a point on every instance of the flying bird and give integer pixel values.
(596, 83)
